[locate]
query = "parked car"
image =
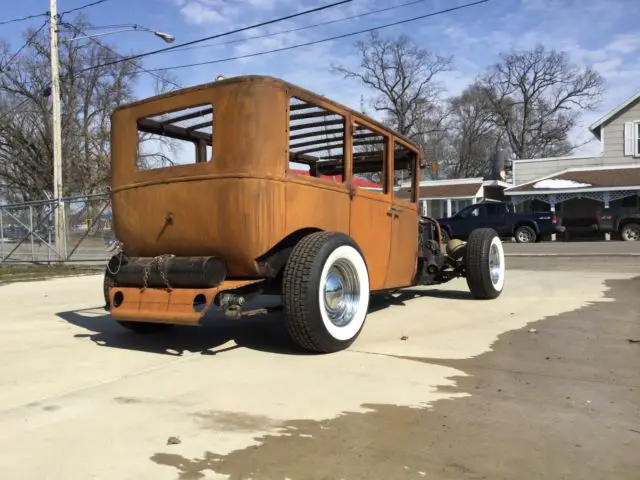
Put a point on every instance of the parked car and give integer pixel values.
(525, 227)
(624, 221)
(240, 222)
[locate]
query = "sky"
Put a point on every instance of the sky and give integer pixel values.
(603, 34)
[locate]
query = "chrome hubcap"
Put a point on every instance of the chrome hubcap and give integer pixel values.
(494, 264)
(341, 292)
(525, 236)
(633, 234)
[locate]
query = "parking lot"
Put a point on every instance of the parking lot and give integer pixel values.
(541, 383)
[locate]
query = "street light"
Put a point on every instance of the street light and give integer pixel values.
(60, 220)
(133, 28)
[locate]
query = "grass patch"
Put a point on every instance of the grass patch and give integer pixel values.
(30, 273)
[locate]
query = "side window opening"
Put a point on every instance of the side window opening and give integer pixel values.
(404, 171)
(175, 138)
(316, 141)
(368, 158)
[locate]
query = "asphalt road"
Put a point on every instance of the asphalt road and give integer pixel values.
(540, 383)
(576, 249)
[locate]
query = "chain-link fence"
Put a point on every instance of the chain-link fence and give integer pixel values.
(27, 231)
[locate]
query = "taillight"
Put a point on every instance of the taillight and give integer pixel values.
(597, 215)
(554, 219)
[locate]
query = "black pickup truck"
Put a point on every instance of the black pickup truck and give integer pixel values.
(624, 221)
(525, 227)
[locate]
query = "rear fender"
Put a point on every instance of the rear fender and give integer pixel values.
(271, 263)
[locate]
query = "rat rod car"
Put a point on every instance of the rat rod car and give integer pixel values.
(250, 186)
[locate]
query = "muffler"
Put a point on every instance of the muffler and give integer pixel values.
(171, 272)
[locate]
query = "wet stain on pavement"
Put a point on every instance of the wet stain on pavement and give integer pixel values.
(234, 421)
(562, 402)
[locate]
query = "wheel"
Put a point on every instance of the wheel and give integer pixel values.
(137, 327)
(325, 292)
(484, 264)
(630, 232)
(525, 234)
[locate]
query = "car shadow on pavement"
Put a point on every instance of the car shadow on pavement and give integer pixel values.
(260, 332)
(217, 334)
(384, 300)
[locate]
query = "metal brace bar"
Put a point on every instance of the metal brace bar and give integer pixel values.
(86, 234)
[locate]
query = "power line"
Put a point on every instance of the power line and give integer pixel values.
(315, 42)
(82, 7)
(4, 67)
(231, 32)
(22, 19)
(139, 67)
(315, 25)
(46, 14)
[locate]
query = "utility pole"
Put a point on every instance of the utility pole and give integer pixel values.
(60, 222)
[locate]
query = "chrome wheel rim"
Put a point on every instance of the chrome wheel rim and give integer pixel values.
(495, 264)
(633, 234)
(341, 292)
(524, 236)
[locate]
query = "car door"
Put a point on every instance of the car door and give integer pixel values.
(370, 212)
(404, 224)
(466, 220)
(496, 217)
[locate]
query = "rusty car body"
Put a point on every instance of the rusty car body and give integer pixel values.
(251, 185)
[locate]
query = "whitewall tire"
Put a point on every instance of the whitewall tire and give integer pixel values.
(325, 292)
(485, 264)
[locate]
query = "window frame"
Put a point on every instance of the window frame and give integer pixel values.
(636, 138)
(197, 146)
(415, 175)
(386, 159)
(317, 103)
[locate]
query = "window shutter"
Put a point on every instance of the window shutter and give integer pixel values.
(628, 139)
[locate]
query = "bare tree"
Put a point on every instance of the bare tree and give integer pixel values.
(473, 133)
(537, 97)
(404, 77)
(87, 100)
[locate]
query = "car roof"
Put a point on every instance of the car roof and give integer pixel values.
(268, 79)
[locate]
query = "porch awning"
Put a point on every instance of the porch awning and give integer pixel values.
(444, 191)
(579, 180)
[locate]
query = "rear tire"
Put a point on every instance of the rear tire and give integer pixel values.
(525, 234)
(484, 264)
(325, 292)
(630, 232)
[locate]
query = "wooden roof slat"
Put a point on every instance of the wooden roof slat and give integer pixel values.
(302, 116)
(301, 106)
(173, 131)
(316, 133)
(188, 116)
(198, 126)
(316, 125)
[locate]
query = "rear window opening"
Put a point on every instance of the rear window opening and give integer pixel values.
(316, 141)
(180, 137)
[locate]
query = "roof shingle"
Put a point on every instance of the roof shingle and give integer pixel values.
(576, 179)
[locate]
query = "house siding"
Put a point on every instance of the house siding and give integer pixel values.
(612, 140)
(613, 135)
(526, 171)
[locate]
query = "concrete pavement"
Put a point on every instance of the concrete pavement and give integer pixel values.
(438, 386)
